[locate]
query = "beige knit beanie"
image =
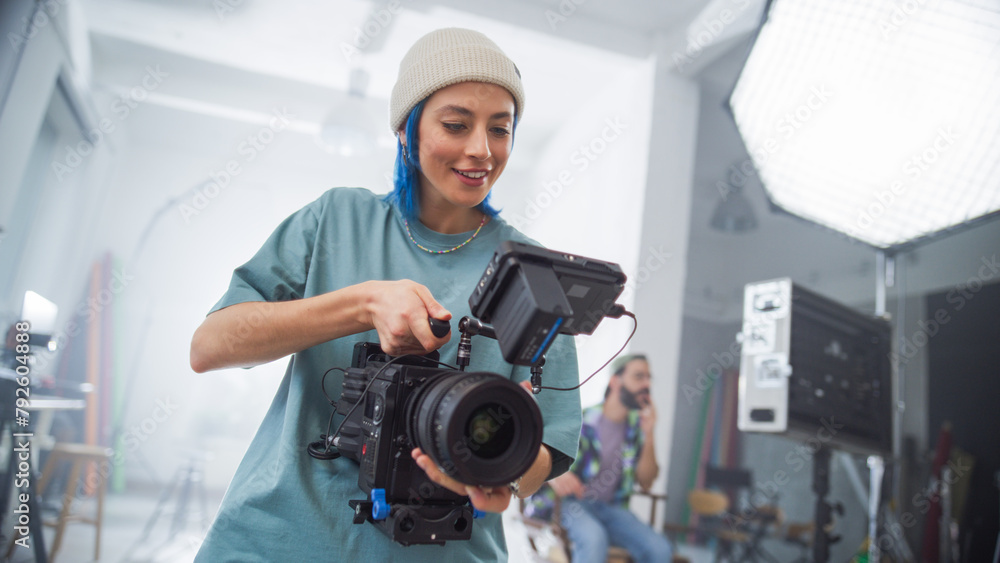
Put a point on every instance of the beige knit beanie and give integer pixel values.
(449, 56)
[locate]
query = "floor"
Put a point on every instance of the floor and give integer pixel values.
(137, 527)
(135, 532)
(520, 550)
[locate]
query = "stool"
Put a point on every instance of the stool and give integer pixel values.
(79, 456)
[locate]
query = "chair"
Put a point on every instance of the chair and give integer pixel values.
(79, 456)
(714, 520)
(739, 537)
(537, 528)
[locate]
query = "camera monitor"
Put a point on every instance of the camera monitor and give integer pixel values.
(529, 294)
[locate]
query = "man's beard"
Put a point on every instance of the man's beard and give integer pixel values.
(631, 400)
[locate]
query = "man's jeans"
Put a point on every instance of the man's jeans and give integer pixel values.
(593, 526)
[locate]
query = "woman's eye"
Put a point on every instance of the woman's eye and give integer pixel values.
(501, 131)
(454, 126)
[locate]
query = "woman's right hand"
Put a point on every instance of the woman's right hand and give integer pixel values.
(398, 311)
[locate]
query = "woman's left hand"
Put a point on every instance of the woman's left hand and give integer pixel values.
(487, 499)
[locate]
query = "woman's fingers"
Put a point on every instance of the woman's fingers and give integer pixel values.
(399, 312)
(487, 499)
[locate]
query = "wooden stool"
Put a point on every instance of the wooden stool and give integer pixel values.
(79, 456)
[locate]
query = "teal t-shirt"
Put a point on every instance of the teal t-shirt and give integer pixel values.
(282, 504)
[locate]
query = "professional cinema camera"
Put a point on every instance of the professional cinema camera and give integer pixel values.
(480, 428)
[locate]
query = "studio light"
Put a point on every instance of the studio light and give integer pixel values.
(878, 119)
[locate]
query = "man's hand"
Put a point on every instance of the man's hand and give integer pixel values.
(487, 499)
(568, 484)
(647, 419)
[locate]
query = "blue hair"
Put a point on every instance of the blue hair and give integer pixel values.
(406, 173)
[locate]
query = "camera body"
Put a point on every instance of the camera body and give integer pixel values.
(480, 427)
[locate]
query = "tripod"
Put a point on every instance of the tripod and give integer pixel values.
(188, 481)
(19, 471)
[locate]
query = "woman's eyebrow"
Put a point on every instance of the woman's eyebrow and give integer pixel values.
(466, 112)
(463, 111)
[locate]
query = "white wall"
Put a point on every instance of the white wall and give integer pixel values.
(659, 285)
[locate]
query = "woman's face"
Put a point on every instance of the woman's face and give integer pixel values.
(465, 140)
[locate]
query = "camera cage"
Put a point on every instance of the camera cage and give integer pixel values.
(525, 297)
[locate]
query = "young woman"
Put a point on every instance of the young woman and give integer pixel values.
(352, 266)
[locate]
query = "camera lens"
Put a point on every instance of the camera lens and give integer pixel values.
(490, 438)
(480, 428)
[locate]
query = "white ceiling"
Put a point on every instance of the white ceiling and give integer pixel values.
(312, 42)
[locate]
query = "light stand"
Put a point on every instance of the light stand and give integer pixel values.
(823, 516)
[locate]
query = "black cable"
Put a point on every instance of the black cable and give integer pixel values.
(320, 449)
(322, 385)
(635, 325)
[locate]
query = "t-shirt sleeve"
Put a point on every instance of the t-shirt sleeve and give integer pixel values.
(277, 272)
(560, 409)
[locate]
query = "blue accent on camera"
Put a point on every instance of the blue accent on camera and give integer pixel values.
(380, 508)
(548, 338)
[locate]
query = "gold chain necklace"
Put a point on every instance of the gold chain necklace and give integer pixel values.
(453, 249)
